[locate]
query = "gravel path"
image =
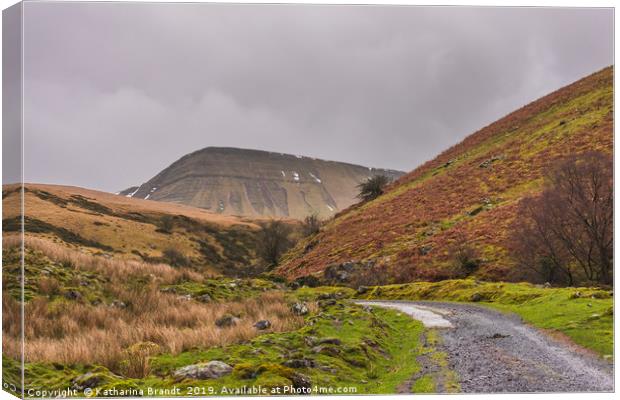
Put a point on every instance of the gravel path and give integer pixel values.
(496, 352)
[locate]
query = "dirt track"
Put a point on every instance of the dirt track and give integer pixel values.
(495, 352)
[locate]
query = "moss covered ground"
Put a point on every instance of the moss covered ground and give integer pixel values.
(342, 348)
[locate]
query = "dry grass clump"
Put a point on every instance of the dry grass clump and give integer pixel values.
(113, 268)
(71, 332)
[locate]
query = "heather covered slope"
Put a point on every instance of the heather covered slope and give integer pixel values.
(469, 192)
(257, 183)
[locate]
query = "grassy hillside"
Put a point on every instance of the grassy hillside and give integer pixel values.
(469, 192)
(128, 228)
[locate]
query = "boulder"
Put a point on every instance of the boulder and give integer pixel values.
(301, 381)
(362, 289)
(118, 304)
(299, 309)
(476, 297)
(226, 321)
(208, 370)
(334, 341)
(88, 380)
(73, 295)
(262, 325)
(299, 363)
(204, 298)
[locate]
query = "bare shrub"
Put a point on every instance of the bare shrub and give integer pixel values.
(464, 256)
(273, 240)
(311, 225)
(175, 257)
(566, 234)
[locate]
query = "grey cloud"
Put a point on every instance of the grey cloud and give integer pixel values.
(117, 91)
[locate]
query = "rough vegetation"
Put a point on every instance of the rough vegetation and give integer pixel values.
(133, 229)
(472, 191)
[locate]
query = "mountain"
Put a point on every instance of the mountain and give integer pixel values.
(468, 193)
(257, 183)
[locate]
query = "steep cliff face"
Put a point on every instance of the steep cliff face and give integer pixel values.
(258, 183)
(469, 192)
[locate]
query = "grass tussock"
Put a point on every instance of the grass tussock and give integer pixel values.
(133, 310)
(119, 270)
(70, 333)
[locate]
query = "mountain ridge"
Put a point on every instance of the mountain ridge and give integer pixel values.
(255, 183)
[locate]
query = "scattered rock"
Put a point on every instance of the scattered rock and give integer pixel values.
(209, 370)
(118, 304)
(498, 336)
(424, 250)
(367, 308)
(546, 285)
(300, 363)
(226, 321)
(327, 303)
(310, 341)
(487, 163)
(204, 298)
(326, 349)
(87, 380)
(299, 309)
(168, 290)
(334, 341)
(185, 297)
(73, 295)
(362, 289)
(301, 381)
(476, 297)
(262, 325)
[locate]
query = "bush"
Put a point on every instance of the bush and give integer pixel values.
(373, 187)
(464, 257)
(175, 258)
(165, 224)
(311, 225)
(273, 240)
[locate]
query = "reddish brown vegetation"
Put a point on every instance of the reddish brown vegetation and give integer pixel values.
(472, 190)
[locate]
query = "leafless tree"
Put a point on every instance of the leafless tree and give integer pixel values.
(311, 225)
(568, 230)
(273, 241)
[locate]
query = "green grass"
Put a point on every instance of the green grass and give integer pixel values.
(585, 315)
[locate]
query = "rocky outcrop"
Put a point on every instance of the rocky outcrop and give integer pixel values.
(208, 370)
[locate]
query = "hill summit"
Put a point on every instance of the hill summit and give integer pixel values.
(258, 183)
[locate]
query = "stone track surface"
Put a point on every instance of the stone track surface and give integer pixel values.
(495, 352)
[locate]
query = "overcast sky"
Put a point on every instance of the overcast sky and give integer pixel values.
(116, 92)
